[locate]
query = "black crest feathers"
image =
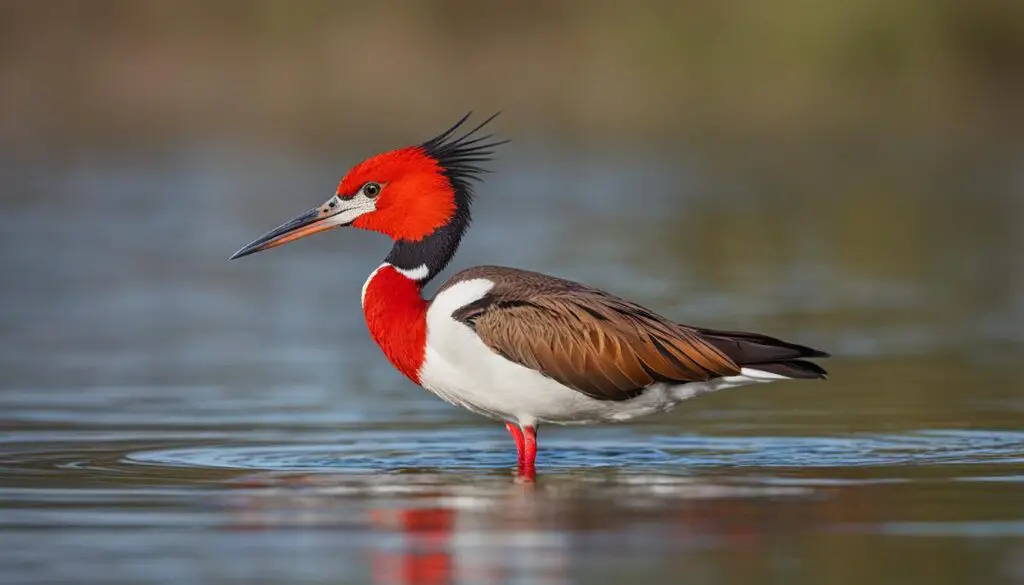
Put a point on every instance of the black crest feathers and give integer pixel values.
(461, 156)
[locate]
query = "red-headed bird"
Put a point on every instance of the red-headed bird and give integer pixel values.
(511, 344)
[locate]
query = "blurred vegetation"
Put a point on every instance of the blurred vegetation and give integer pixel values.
(132, 73)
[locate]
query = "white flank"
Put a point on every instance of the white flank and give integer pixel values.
(463, 371)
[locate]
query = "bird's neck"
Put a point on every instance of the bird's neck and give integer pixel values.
(424, 259)
(393, 304)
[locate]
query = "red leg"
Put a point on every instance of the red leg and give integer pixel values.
(527, 465)
(517, 436)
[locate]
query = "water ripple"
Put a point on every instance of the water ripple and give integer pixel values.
(399, 451)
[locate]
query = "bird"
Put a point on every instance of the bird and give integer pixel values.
(510, 344)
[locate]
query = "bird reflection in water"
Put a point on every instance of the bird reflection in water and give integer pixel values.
(424, 556)
(430, 529)
(420, 534)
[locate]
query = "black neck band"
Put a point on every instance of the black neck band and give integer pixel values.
(434, 251)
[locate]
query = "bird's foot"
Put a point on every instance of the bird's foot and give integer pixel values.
(526, 450)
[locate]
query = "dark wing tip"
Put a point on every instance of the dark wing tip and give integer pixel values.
(794, 369)
(746, 348)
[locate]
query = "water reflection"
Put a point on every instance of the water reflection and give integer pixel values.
(424, 556)
(435, 528)
(434, 534)
(440, 544)
(427, 530)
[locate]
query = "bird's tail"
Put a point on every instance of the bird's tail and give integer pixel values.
(767, 354)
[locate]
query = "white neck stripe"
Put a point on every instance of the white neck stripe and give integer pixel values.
(362, 296)
(417, 274)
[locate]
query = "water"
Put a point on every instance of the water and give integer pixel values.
(169, 417)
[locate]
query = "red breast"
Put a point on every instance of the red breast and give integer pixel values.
(396, 315)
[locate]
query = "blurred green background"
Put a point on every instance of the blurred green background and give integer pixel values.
(942, 72)
(846, 174)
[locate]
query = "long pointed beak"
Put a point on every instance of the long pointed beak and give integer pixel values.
(307, 224)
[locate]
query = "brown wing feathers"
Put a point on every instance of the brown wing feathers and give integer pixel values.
(606, 347)
(602, 346)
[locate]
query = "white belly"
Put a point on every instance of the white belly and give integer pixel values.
(462, 370)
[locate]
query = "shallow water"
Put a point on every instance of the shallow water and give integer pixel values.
(168, 417)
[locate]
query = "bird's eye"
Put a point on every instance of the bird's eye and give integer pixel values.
(371, 190)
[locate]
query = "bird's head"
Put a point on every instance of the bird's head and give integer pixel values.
(407, 194)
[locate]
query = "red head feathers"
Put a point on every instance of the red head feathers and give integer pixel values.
(418, 195)
(422, 188)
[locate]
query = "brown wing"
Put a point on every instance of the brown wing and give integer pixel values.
(600, 345)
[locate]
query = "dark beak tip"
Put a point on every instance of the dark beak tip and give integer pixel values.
(266, 240)
(246, 250)
(242, 253)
